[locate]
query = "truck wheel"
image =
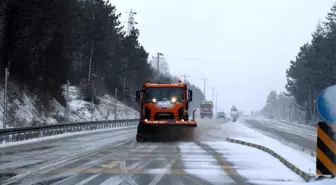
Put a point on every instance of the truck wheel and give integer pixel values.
(142, 133)
(140, 139)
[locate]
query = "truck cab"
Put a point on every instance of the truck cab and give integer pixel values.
(163, 104)
(206, 109)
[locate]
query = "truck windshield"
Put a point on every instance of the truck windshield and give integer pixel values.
(207, 106)
(162, 93)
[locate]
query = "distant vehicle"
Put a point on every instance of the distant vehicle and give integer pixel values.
(206, 109)
(234, 113)
(221, 115)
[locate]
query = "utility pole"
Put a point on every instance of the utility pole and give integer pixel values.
(131, 22)
(124, 86)
(314, 110)
(204, 79)
(92, 100)
(91, 53)
(310, 103)
(185, 78)
(213, 91)
(115, 103)
(217, 103)
(5, 99)
(158, 63)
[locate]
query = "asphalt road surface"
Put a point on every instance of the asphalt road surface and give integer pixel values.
(295, 135)
(114, 157)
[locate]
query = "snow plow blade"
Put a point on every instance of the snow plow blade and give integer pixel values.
(189, 123)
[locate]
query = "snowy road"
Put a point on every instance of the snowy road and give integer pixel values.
(114, 157)
(295, 135)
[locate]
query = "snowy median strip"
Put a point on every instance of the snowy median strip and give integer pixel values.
(257, 166)
(295, 169)
(303, 163)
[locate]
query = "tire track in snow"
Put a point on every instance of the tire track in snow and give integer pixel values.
(225, 165)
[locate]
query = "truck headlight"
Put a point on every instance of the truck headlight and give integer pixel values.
(173, 100)
(154, 100)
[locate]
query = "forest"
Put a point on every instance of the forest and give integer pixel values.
(312, 70)
(44, 44)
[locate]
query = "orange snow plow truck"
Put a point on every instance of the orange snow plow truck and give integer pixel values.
(163, 104)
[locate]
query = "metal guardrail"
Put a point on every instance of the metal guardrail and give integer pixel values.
(26, 133)
(301, 124)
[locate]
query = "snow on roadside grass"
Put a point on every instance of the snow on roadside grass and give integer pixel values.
(323, 182)
(80, 109)
(24, 108)
(63, 135)
(256, 166)
(237, 130)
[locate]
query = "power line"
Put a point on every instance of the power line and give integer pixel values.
(222, 61)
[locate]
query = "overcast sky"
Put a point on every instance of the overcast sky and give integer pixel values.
(242, 46)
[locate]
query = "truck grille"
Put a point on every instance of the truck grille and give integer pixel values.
(164, 116)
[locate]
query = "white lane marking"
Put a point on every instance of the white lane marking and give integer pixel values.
(114, 180)
(165, 170)
(64, 161)
(87, 179)
(137, 165)
(215, 175)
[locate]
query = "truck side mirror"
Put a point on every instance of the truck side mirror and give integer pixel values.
(189, 95)
(137, 98)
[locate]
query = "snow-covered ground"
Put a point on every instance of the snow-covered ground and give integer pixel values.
(258, 166)
(81, 110)
(22, 109)
(324, 182)
(255, 165)
(200, 163)
(237, 130)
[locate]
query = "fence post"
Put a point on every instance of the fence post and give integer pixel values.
(115, 103)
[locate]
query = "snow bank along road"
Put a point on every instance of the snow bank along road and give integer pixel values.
(301, 137)
(114, 157)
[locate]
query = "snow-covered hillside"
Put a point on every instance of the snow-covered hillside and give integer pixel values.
(22, 109)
